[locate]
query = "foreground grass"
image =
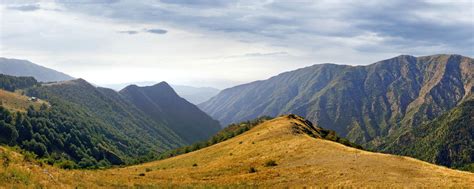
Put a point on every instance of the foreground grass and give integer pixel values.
(277, 154)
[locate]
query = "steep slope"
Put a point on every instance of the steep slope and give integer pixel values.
(362, 103)
(281, 153)
(16, 67)
(94, 119)
(160, 102)
(195, 95)
(448, 140)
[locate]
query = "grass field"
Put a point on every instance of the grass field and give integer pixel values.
(14, 101)
(273, 154)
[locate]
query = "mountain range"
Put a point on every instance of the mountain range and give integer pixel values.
(17, 67)
(370, 105)
(195, 95)
(414, 106)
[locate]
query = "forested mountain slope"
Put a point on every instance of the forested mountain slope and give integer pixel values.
(87, 125)
(448, 140)
(362, 103)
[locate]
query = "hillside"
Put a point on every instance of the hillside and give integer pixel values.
(448, 140)
(16, 67)
(161, 103)
(127, 131)
(17, 102)
(299, 160)
(11, 89)
(362, 103)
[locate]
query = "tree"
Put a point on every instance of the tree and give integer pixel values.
(8, 133)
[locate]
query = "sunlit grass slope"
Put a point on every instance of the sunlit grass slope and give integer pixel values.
(299, 160)
(14, 101)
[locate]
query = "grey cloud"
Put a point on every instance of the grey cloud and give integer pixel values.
(156, 31)
(201, 3)
(27, 7)
(130, 32)
(87, 1)
(302, 24)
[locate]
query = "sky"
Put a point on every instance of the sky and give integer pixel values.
(221, 43)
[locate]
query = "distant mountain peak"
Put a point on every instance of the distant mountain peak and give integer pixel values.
(17, 67)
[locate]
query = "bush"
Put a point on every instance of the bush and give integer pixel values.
(29, 156)
(67, 164)
(148, 169)
(252, 170)
(195, 165)
(141, 174)
(270, 163)
(5, 156)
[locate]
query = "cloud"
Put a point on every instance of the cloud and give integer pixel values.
(130, 32)
(402, 24)
(254, 39)
(26, 7)
(156, 31)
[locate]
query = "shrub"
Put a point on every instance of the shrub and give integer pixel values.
(195, 165)
(270, 163)
(252, 170)
(67, 164)
(141, 174)
(29, 156)
(148, 169)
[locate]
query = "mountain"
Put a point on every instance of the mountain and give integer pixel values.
(161, 103)
(16, 67)
(195, 95)
(279, 153)
(447, 140)
(192, 94)
(363, 103)
(94, 119)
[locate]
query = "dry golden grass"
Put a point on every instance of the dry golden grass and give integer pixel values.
(301, 161)
(14, 101)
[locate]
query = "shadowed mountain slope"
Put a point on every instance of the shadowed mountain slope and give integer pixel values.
(160, 102)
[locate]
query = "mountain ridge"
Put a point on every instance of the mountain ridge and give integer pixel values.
(18, 67)
(392, 83)
(185, 118)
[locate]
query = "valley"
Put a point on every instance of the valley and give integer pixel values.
(68, 134)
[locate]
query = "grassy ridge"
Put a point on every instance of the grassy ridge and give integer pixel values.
(278, 150)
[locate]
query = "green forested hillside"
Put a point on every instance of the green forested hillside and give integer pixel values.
(362, 103)
(85, 126)
(161, 103)
(11, 83)
(448, 140)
